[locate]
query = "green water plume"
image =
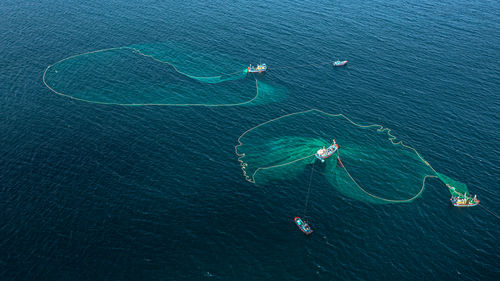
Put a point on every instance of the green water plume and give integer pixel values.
(456, 188)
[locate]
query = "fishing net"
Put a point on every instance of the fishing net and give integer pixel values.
(456, 188)
(158, 74)
(276, 158)
(371, 165)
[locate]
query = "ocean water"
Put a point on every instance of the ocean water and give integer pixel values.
(103, 192)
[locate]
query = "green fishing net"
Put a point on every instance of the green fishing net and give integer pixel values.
(158, 74)
(456, 188)
(371, 166)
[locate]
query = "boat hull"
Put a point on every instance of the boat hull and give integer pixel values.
(462, 206)
(340, 63)
(303, 226)
(329, 152)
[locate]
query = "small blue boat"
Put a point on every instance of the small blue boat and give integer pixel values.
(339, 63)
(303, 226)
(324, 153)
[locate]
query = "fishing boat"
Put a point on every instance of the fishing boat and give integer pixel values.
(261, 67)
(324, 153)
(339, 63)
(303, 226)
(464, 201)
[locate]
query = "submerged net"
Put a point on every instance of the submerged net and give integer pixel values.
(277, 158)
(456, 188)
(373, 167)
(157, 74)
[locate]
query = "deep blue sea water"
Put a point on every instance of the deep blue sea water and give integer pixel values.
(99, 192)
